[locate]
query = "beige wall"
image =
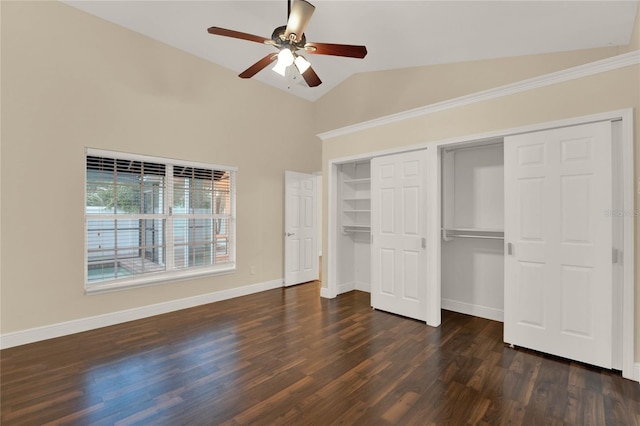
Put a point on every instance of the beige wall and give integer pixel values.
(70, 81)
(367, 96)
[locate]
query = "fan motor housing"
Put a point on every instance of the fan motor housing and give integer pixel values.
(278, 37)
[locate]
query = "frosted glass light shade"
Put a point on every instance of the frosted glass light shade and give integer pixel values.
(280, 68)
(302, 64)
(285, 57)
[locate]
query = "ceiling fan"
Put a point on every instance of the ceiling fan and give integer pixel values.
(289, 39)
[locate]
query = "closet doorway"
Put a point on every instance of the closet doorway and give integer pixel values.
(568, 225)
(377, 241)
(472, 247)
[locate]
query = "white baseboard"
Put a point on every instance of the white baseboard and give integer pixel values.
(475, 310)
(343, 288)
(36, 334)
(324, 292)
(346, 287)
(354, 285)
(363, 287)
(636, 372)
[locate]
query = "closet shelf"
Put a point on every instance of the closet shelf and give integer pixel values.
(356, 228)
(474, 230)
(359, 180)
(488, 234)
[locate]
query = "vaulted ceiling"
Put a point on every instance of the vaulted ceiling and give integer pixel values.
(398, 34)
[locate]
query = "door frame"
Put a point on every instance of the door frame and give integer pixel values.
(434, 196)
(330, 291)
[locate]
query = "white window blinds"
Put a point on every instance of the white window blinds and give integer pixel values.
(149, 219)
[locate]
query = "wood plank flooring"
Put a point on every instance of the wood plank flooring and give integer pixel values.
(286, 356)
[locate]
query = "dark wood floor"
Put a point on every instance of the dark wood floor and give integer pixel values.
(286, 356)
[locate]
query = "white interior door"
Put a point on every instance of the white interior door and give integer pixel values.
(398, 229)
(300, 228)
(558, 261)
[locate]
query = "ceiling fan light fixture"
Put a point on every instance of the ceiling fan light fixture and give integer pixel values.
(302, 64)
(285, 57)
(280, 69)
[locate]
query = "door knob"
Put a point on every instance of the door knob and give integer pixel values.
(289, 234)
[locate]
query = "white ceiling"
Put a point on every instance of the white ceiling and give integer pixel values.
(398, 34)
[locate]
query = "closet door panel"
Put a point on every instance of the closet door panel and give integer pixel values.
(387, 271)
(530, 310)
(398, 224)
(558, 266)
(411, 208)
(387, 211)
(531, 208)
(411, 271)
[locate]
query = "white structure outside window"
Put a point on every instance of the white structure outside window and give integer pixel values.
(150, 219)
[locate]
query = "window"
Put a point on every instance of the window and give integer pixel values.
(151, 219)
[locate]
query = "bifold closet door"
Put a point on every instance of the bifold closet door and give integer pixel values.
(558, 235)
(398, 229)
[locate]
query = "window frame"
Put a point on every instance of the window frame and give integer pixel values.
(170, 274)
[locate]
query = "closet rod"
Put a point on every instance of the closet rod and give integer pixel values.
(489, 237)
(350, 230)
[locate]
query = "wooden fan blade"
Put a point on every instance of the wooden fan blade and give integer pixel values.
(311, 77)
(258, 66)
(347, 50)
(237, 34)
(299, 18)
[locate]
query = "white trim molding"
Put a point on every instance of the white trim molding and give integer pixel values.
(580, 71)
(628, 248)
(636, 372)
(346, 287)
(37, 334)
(475, 310)
(326, 294)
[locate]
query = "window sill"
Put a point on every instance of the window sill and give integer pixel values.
(154, 279)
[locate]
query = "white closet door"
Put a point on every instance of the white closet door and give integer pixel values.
(301, 228)
(558, 262)
(398, 223)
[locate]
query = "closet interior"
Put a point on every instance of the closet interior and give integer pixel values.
(354, 222)
(472, 243)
